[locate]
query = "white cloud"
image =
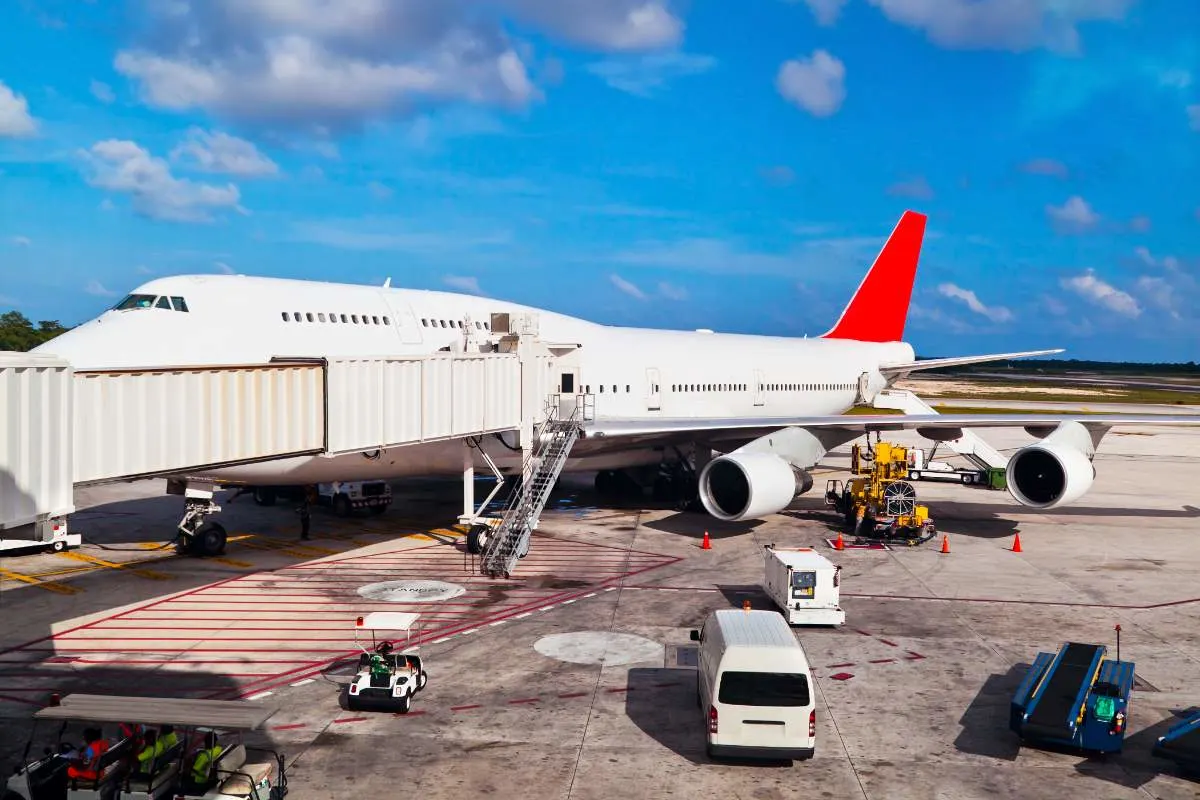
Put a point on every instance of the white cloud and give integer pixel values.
(107, 204)
(21, 241)
(627, 210)
(1045, 166)
(102, 92)
(378, 190)
(316, 63)
(1075, 215)
(816, 84)
(671, 291)
(1167, 262)
(389, 234)
(1103, 294)
(1140, 224)
(123, 166)
(98, 289)
(628, 288)
(1160, 293)
(1014, 25)
(643, 75)
(917, 188)
(464, 282)
(223, 268)
(825, 11)
(972, 301)
(14, 114)
(221, 153)
(1194, 116)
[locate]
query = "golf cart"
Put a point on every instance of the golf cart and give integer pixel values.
(117, 774)
(385, 678)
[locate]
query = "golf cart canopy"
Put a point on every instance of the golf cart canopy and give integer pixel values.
(387, 621)
(241, 715)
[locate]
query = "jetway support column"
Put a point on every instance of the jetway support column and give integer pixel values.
(468, 484)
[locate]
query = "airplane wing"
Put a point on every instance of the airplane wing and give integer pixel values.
(892, 371)
(740, 426)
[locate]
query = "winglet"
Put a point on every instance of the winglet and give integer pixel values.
(879, 308)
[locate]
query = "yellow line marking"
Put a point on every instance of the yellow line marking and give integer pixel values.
(61, 588)
(231, 562)
(151, 545)
(277, 547)
(100, 562)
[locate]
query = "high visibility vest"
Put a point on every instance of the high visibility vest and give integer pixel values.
(203, 764)
(91, 758)
(150, 752)
(168, 740)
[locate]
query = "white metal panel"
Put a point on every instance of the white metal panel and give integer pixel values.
(403, 416)
(35, 438)
(470, 394)
(502, 383)
(140, 422)
(355, 403)
(437, 395)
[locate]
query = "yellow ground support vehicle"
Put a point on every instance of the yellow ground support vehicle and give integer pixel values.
(878, 502)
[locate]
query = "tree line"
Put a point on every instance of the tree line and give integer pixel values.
(17, 332)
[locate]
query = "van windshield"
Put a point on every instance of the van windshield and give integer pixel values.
(763, 689)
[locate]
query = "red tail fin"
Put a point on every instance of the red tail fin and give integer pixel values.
(879, 308)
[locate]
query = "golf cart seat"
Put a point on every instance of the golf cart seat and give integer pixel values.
(238, 778)
(162, 770)
(109, 769)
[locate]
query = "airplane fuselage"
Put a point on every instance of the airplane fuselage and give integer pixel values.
(634, 373)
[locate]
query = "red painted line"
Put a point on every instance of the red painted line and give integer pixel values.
(913, 656)
(409, 714)
(890, 644)
(465, 708)
(882, 661)
(349, 719)
(297, 674)
(573, 694)
(1004, 601)
(661, 685)
(618, 690)
(20, 700)
(526, 700)
(839, 666)
(864, 633)
(291, 727)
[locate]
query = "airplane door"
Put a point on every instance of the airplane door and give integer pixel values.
(758, 387)
(653, 401)
(404, 321)
(568, 390)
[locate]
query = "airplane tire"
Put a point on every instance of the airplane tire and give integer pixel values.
(209, 539)
(477, 539)
(264, 496)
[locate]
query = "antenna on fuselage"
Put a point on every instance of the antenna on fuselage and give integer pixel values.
(387, 283)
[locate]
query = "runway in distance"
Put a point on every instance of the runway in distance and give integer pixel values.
(770, 407)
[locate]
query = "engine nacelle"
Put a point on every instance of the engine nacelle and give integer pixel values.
(749, 485)
(1055, 471)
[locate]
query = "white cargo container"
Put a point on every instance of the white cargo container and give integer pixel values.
(35, 451)
(804, 584)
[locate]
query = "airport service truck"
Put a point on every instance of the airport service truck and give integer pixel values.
(804, 584)
(343, 496)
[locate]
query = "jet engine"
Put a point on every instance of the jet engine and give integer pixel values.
(742, 486)
(1056, 470)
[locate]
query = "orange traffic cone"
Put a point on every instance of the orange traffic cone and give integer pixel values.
(1016, 548)
(840, 544)
(945, 543)
(706, 544)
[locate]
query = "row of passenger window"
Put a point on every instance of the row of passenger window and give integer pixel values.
(768, 387)
(351, 319)
(442, 323)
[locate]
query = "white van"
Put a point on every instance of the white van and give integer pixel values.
(755, 687)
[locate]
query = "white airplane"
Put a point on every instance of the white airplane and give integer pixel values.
(770, 406)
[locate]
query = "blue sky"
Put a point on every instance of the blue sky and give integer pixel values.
(641, 162)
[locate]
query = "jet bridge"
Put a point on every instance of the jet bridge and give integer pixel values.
(65, 428)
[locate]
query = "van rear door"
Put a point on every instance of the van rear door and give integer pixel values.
(764, 709)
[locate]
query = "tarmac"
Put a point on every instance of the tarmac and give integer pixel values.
(575, 678)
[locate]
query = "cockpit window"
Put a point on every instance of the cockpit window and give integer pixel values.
(179, 304)
(163, 302)
(135, 301)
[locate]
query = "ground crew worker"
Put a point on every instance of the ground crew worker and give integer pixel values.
(153, 749)
(95, 746)
(304, 511)
(167, 737)
(201, 775)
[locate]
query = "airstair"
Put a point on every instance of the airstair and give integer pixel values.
(510, 540)
(970, 446)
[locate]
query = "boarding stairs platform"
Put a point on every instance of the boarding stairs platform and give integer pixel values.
(969, 445)
(510, 540)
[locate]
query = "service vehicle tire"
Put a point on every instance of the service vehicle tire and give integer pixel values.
(477, 539)
(915, 474)
(968, 479)
(264, 496)
(341, 505)
(58, 546)
(422, 679)
(405, 704)
(209, 539)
